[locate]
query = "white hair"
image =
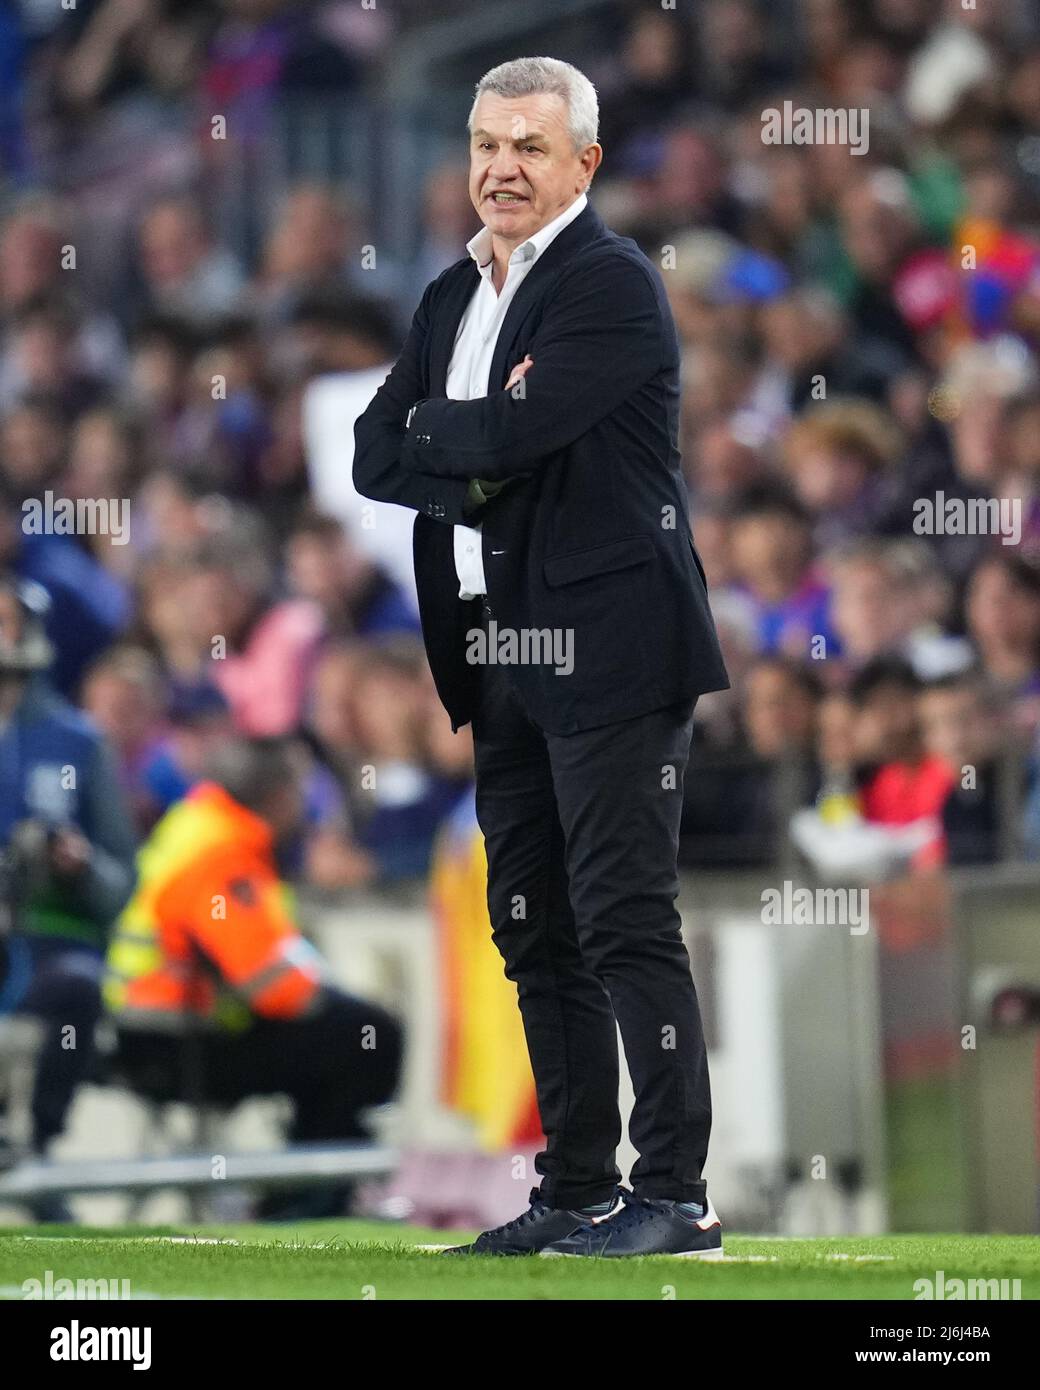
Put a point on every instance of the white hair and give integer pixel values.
(524, 77)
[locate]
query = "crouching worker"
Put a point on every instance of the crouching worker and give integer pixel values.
(215, 993)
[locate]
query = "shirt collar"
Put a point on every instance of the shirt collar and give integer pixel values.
(479, 246)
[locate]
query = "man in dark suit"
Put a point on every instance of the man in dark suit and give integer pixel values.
(531, 421)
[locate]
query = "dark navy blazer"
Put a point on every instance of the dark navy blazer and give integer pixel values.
(591, 532)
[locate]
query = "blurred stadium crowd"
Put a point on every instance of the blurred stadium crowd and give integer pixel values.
(842, 362)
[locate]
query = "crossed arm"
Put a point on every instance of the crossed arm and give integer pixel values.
(379, 436)
(599, 340)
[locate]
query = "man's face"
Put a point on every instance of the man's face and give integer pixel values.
(521, 146)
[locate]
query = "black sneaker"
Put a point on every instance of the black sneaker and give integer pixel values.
(646, 1226)
(535, 1228)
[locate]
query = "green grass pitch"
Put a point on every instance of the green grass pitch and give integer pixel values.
(360, 1259)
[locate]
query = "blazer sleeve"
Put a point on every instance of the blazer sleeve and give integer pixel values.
(379, 435)
(600, 339)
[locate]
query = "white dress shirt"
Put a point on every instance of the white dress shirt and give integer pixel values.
(475, 347)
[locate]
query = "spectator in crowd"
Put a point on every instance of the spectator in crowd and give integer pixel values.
(185, 272)
(399, 799)
(257, 652)
(733, 57)
(315, 249)
(1021, 448)
(32, 236)
(786, 604)
(736, 805)
(903, 781)
(806, 335)
(653, 82)
(961, 723)
(66, 849)
(33, 440)
(355, 595)
(123, 693)
(447, 225)
(781, 700)
(1003, 617)
(889, 598)
(879, 228)
(839, 457)
(197, 721)
(43, 359)
(89, 606)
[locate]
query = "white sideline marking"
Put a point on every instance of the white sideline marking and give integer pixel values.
(431, 1249)
(758, 1259)
(191, 1240)
(858, 1258)
(201, 1240)
(171, 1240)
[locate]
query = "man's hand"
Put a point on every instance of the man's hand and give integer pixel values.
(519, 372)
(480, 489)
(600, 339)
(478, 494)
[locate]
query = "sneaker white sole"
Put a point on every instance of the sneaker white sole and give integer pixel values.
(662, 1255)
(708, 1222)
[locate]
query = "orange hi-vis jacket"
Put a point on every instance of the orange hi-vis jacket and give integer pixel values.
(207, 934)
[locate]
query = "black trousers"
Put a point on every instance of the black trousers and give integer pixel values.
(327, 1063)
(582, 835)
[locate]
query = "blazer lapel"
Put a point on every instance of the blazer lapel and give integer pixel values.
(585, 228)
(446, 322)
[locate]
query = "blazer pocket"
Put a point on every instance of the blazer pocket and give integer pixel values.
(598, 559)
(697, 562)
